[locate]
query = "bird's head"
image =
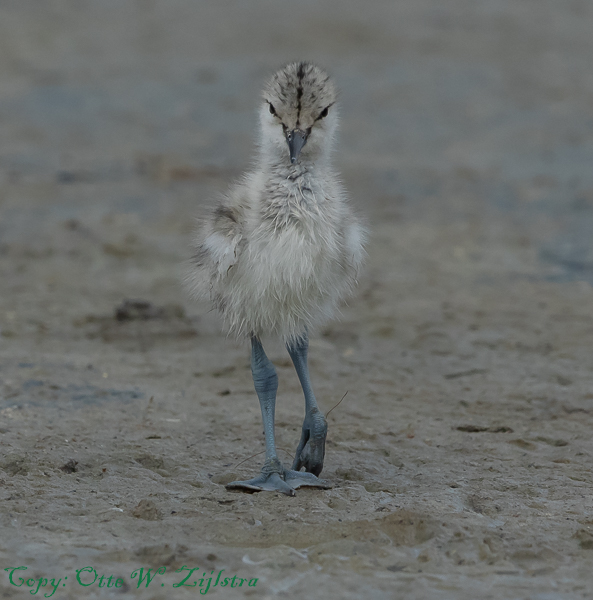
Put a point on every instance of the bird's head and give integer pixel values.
(298, 114)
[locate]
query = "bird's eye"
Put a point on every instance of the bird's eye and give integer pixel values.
(272, 109)
(324, 113)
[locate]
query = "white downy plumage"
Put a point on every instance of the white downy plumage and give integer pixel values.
(283, 248)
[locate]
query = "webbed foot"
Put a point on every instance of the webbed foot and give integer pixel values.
(297, 479)
(311, 449)
(275, 478)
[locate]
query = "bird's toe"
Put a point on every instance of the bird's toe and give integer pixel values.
(297, 479)
(311, 449)
(269, 483)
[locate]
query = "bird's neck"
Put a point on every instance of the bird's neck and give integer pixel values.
(280, 167)
(292, 191)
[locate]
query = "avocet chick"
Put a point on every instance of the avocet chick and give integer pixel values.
(280, 252)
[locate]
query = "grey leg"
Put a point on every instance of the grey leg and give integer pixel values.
(274, 477)
(311, 449)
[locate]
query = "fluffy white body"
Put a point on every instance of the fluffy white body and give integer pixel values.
(283, 248)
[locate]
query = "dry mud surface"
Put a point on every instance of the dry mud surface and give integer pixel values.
(461, 455)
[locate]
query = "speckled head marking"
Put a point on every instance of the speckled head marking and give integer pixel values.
(299, 97)
(299, 94)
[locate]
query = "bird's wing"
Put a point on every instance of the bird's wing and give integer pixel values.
(222, 239)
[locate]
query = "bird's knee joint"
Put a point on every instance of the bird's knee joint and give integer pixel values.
(265, 380)
(298, 352)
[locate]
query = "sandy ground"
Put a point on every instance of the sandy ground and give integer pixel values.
(461, 455)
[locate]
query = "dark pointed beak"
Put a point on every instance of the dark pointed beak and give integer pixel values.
(296, 140)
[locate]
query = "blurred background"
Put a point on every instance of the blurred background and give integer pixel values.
(471, 111)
